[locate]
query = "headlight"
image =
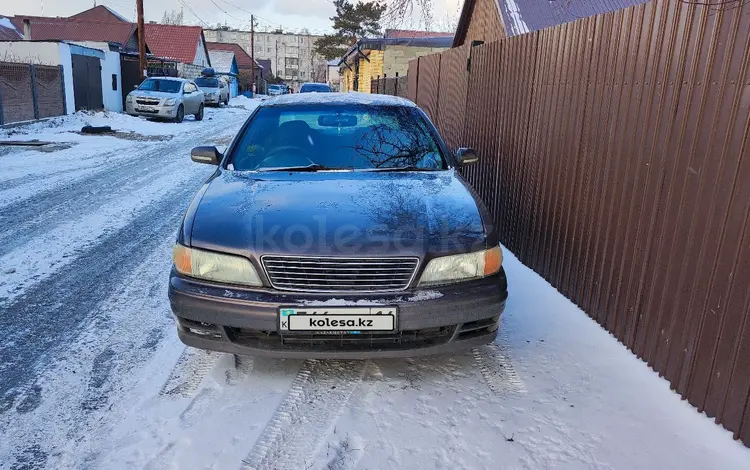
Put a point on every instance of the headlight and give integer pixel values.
(457, 268)
(129, 99)
(169, 102)
(214, 266)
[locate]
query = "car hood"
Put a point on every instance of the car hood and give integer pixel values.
(153, 94)
(339, 213)
(208, 89)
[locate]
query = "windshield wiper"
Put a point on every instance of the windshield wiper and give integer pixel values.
(401, 168)
(311, 167)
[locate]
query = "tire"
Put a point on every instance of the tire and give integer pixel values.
(199, 116)
(226, 101)
(180, 114)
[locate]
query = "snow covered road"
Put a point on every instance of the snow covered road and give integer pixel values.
(92, 374)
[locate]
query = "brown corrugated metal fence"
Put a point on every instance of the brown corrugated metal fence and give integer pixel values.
(616, 161)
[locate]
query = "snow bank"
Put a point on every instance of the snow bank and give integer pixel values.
(245, 102)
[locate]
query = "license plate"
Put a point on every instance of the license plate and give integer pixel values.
(145, 109)
(337, 319)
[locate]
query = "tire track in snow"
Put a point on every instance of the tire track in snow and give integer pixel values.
(316, 398)
(188, 373)
(47, 314)
(497, 370)
(43, 211)
(39, 257)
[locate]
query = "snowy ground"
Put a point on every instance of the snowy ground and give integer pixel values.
(92, 374)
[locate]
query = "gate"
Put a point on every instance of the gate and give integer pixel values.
(87, 82)
(131, 76)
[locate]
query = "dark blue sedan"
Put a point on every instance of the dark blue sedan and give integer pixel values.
(337, 226)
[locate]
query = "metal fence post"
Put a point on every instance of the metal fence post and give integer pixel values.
(33, 91)
(395, 89)
(62, 85)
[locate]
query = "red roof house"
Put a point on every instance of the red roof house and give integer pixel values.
(100, 13)
(66, 29)
(184, 44)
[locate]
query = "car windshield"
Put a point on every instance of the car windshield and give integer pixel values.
(165, 86)
(207, 82)
(324, 136)
(314, 87)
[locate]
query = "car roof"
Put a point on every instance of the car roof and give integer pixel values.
(174, 79)
(338, 98)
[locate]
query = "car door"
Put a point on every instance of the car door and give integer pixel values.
(192, 98)
(199, 97)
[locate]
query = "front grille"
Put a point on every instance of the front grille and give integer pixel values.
(408, 339)
(320, 274)
(147, 101)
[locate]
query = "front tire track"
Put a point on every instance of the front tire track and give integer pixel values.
(317, 396)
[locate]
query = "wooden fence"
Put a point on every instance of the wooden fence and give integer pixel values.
(616, 161)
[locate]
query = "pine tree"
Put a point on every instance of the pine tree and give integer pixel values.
(350, 23)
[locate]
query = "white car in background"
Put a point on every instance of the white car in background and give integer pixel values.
(166, 98)
(215, 89)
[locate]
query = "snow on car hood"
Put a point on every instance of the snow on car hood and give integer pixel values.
(153, 94)
(327, 213)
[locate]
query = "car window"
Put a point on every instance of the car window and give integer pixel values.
(165, 86)
(359, 137)
(315, 87)
(207, 82)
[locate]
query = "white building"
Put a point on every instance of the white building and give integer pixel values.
(292, 56)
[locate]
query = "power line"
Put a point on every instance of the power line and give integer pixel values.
(225, 12)
(184, 3)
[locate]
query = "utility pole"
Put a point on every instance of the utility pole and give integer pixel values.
(142, 66)
(252, 54)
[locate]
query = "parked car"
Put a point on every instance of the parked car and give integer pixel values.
(276, 90)
(215, 90)
(166, 98)
(337, 227)
(314, 88)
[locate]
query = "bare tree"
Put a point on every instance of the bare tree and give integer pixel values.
(172, 17)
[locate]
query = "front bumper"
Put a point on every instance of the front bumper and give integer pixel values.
(245, 321)
(158, 111)
(212, 99)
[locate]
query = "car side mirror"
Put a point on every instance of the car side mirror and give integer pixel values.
(209, 155)
(466, 156)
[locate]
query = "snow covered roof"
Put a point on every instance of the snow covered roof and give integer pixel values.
(338, 98)
(222, 61)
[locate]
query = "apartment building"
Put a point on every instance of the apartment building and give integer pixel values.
(292, 56)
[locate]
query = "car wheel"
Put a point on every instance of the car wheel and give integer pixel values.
(226, 101)
(180, 114)
(199, 116)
